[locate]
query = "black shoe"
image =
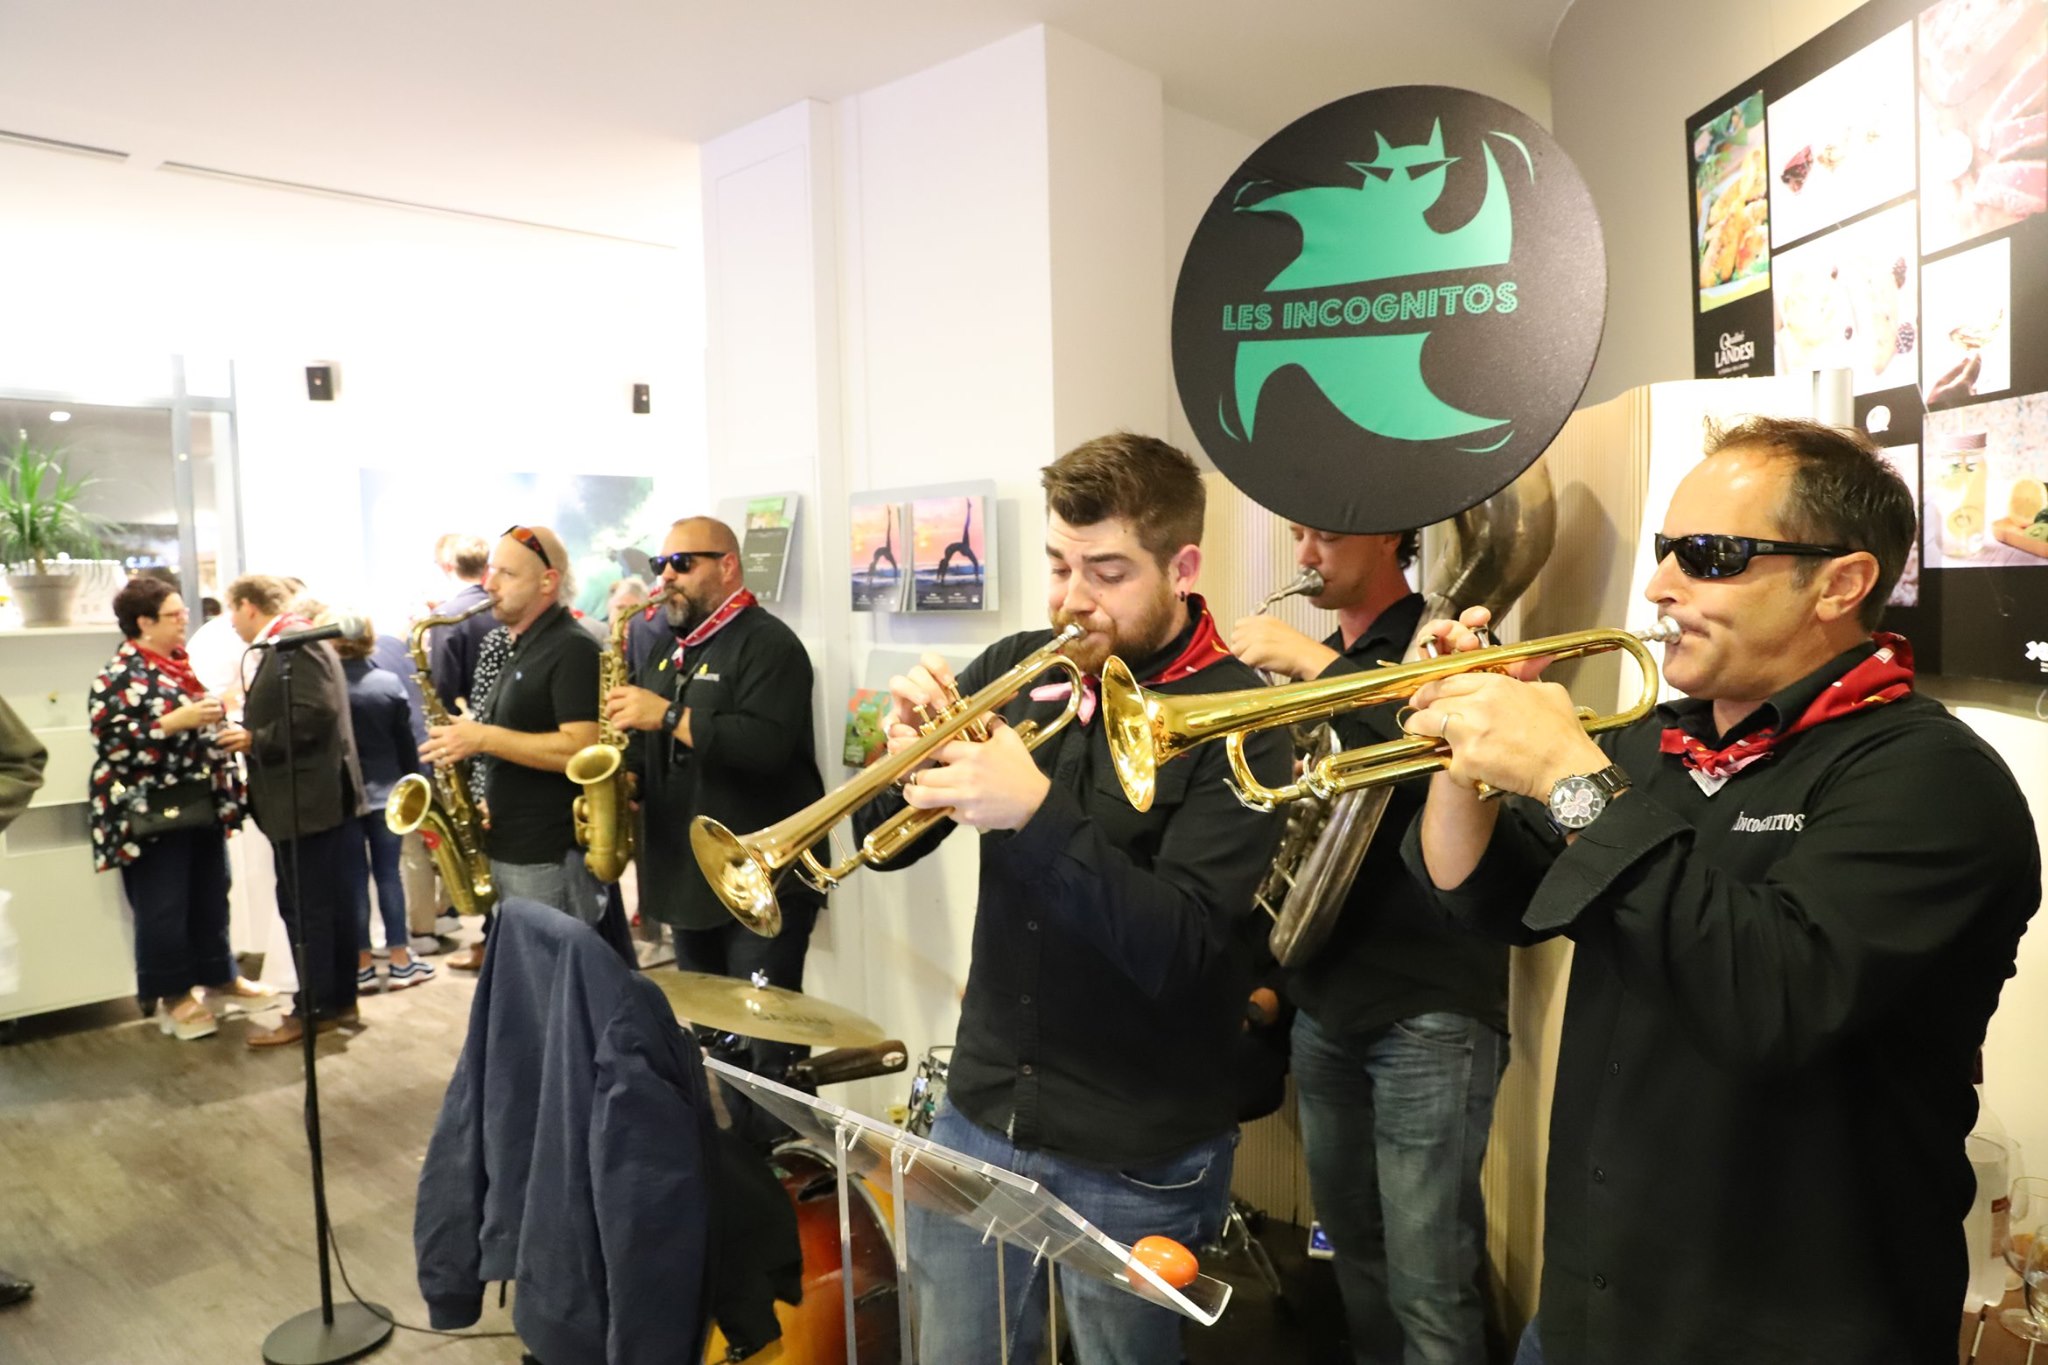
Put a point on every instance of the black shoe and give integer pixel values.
(13, 1288)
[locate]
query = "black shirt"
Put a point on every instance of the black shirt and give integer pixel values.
(1390, 955)
(750, 761)
(1756, 1144)
(1110, 973)
(549, 680)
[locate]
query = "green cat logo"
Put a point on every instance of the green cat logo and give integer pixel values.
(1378, 230)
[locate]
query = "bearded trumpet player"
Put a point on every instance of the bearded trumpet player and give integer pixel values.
(1400, 1032)
(722, 727)
(1109, 964)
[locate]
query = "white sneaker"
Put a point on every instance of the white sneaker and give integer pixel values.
(407, 974)
(191, 1027)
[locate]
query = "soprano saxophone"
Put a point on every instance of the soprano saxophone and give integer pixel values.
(441, 808)
(604, 812)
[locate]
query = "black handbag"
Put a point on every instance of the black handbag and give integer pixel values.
(165, 810)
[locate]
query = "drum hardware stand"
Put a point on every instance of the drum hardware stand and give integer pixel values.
(1237, 1228)
(901, 1159)
(325, 1335)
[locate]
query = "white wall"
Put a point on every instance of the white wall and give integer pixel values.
(1200, 157)
(463, 344)
(1625, 75)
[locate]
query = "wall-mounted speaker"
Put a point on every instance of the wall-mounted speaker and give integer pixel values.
(642, 401)
(322, 382)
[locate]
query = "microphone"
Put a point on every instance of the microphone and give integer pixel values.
(339, 628)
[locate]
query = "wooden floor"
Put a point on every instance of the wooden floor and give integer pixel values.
(157, 1192)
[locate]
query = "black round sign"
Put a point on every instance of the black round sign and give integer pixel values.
(1390, 310)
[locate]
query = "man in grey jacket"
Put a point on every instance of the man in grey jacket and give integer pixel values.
(22, 756)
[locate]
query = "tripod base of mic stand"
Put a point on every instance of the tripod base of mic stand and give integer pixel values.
(306, 1340)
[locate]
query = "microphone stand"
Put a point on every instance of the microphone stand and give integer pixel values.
(325, 1335)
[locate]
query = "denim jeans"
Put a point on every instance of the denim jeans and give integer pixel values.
(953, 1275)
(1530, 1352)
(384, 874)
(178, 889)
(1395, 1124)
(567, 885)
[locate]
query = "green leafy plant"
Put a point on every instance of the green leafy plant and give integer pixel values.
(40, 513)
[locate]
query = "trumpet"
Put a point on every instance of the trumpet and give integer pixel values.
(1149, 728)
(743, 869)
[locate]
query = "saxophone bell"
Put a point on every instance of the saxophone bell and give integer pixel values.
(603, 814)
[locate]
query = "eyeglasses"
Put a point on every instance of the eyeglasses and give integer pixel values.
(525, 536)
(1712, 556)
(681, 559)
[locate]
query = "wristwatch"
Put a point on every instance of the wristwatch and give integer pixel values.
(1576, 802)
(672, 717)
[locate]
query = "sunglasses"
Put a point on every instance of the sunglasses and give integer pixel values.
(1712, 556)
(526, 537)
(682, 559)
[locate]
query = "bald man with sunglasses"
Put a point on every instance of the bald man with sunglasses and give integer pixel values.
(1794, 897)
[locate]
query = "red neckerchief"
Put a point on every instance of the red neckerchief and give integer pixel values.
(712, 624)
(176, 667)
(1204, 647)
(1885, 676)
(283, 622)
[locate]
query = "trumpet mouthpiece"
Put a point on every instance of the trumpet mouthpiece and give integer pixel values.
(1665, 632)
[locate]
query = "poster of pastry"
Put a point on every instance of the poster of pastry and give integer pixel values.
(873, 568)
(1966, 348)
(1986, 503)
(1983, 117)
(1731, 210)
(949, 536)
(1848, 300)
(1843, 142)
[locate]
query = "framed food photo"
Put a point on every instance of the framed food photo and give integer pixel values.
(1905, 156)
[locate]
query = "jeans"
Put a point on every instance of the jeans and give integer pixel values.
(566, 885)
(734, 950)
(1530, 1352)
(178, 889)
(953, 1273)
(384, 847)
(1394, 1124)
(329, 864)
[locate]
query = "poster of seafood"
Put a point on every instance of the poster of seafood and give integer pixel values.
(1983, 117)
(1906, 174)
(1842, 143)
(1731, 210)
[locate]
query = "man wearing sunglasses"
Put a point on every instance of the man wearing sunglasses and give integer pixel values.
(542, 709)
(724, 723)
(1794, 898)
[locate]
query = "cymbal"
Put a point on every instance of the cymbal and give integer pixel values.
(737, 1005)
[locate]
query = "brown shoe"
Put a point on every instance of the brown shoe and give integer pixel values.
(290, 1031)
(470, 959)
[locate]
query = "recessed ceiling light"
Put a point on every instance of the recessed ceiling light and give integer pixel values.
(60, 416)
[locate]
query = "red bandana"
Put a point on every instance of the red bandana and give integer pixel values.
(1885, 676)
(176, 667)
(712, 624)
(1205, 647)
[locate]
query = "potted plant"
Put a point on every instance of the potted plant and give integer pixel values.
(41, 519)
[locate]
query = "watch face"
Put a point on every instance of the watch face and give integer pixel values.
(1575, 802)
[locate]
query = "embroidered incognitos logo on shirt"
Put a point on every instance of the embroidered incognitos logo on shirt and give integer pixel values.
(1768, 824)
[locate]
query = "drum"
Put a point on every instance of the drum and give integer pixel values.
(814, 1331)
(928, 1089)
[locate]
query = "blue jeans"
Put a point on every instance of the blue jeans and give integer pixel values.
(178, 889)
(953, 1273)
(384, 850)
(1395, 1124)
(1530, 1352)
(567, 885)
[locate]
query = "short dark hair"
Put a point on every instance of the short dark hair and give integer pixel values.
(1842, 492)
(268, 594)
(1410, 546)
(140, 597)
(1141, 479)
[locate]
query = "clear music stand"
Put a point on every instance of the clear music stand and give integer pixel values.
(1001, 1206)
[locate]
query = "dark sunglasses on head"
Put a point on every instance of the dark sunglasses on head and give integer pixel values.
(1712, 556)
(682, 558)
(526, 537)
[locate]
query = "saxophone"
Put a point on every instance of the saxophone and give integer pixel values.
(1495, 550)
(604, 813)
(441, 808)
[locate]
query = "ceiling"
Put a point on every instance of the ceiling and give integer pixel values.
(588, 115)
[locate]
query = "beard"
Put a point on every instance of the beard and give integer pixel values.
(1130, 640)
(684, 612)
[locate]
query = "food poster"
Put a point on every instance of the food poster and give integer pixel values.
(1731, 209)
(1906, 168)
(875, 560)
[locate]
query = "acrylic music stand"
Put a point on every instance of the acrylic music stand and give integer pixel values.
(1000, 1205)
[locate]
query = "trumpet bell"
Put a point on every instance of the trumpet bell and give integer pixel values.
(1132, 717)
(737, 875)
